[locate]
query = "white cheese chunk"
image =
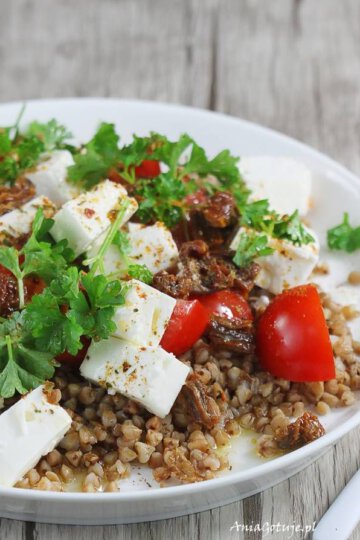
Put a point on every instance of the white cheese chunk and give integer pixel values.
(18, 222)
(149, 376)
(143, 318)
(49, 177)
(83, 219)
(29, 429)
(152, 246)
(289, 265)
(286, 183)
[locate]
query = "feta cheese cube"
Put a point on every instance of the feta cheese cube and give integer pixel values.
(152, 246)
(143, 318)
(49, 177)
(147, 375)
(83, 219)
(289, 265)
(18, 222)
(286, 183)
(29, 429)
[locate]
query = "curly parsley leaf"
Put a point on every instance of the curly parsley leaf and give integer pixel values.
(93, 162)
(171, 152)
(53, 327)
(291, 228)
(103, 297)
(44, 259)
(256, 214)
(122, 242)
(13, 378)
(9, 170)
(101, 292)
(20, 152)
(260, 217)
(344, 237)
(29, 151)
(223, 166)
(66, 286)
(250, 247)
(9, 258)
(22, 368)
(140, 272)
(135, 152)
(105, 142)
(74, 305)
(161, 199)
(5, 141)
(89, 169)
(52, 134)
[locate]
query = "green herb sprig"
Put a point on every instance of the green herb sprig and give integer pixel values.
(251, 245)
(259, 216)
(344, 237)
(20, 152)
(74, 305)
(42, 258)
(22, 367)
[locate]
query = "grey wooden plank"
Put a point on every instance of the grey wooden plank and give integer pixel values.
(11, 530)
(155, 50)
(294, 66)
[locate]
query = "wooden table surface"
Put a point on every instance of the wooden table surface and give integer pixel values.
(292, 65)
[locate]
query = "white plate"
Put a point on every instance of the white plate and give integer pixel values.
(335, 190)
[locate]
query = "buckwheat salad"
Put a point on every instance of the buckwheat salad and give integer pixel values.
(155, 303)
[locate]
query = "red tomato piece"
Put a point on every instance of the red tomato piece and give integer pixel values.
(293, 340)
(187, 324)
(75, 359)
(229, 304)
(149, 168)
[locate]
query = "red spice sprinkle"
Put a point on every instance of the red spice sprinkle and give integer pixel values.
(89, 212)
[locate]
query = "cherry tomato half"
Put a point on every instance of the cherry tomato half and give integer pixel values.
(229, 304)
(187, 324)
(149, 168)
(293, 340)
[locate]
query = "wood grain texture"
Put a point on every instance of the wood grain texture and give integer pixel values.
(293, 65)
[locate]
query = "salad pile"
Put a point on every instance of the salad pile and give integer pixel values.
(122, 264)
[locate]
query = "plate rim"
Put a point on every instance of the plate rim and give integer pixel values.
(253, 472)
